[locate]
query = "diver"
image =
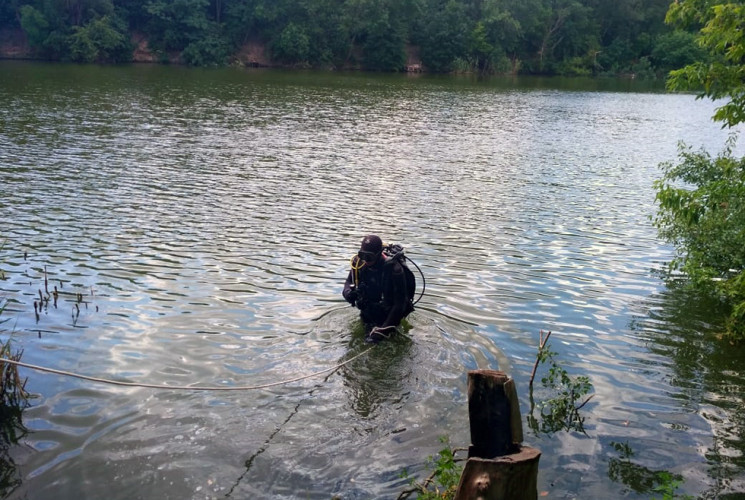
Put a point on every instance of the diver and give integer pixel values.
(381, 286)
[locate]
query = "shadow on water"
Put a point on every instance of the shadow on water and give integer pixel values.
(707, 377)
(377, 378)
(250, 461)
(374, 379)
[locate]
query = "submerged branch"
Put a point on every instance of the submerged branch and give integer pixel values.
(541, 346)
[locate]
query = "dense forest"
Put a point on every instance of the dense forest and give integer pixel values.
(566, 37)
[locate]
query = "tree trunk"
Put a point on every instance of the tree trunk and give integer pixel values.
(498, 467)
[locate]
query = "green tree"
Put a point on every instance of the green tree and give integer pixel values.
(723, 37)
(329, 38)
(626, 30)
(702, 200)
(8, 9)
(480, 50)
(45, 29)
(292, 45)
(383, 49)
(101, 40)
(446, 36)
(542, 36)
(35, 25)
(412, 16)
(526, 28)
(80, 12)
(566, 32)
(174, 24)
(133, 12)
(212, 49)
(251, 19)
(378, 28)
(503, 33)
(617, 56)
(675, 50)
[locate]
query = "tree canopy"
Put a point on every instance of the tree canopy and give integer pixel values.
(722, 75)
(570, 37)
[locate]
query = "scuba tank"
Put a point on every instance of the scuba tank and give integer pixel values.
(395, 253)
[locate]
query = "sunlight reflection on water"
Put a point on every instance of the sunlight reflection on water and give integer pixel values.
(208, 220)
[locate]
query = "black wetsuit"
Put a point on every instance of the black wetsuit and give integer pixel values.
(381, 292)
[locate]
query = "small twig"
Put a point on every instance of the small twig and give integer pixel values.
(586, 401)
(541, 346)
(405, 494)
(417, 487)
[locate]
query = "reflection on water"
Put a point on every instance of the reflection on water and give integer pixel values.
(249, 462)
(378, 379)
(706, 375)
(640, 479)
(207, 218)
(12, 432)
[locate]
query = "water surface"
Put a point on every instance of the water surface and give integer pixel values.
(207, 219)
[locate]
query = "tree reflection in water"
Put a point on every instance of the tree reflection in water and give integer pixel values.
(12, 430)
(640, 479)
(708, 372)
(378, 377)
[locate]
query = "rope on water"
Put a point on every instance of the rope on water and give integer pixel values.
(183, 387)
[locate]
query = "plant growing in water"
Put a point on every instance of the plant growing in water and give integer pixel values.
(701, 211)
(13, 400)
(14, 393)
(443, 482)
(560, 412)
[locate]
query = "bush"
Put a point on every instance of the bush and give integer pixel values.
(675, 50)
(211, 51)
(101, 40)
(642, 69)
(292, 45)
(442, 484)
(702, 212)
(575, 66)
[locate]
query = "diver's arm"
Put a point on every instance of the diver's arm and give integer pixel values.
(349, 293)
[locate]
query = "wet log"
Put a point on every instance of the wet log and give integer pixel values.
(498, 467)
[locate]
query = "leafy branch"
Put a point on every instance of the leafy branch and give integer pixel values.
(442, 483)
(562, 411)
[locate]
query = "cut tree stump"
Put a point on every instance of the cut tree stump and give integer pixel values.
(498, 466)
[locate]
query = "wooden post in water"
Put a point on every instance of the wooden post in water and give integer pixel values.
(498, 466)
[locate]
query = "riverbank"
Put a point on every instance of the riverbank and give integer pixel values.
(253, 54)
(13, 45)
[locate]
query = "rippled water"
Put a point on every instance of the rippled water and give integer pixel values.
(207, 219)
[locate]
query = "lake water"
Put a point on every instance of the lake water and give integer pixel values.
(207, 218)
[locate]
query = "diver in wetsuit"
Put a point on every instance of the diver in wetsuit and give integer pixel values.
(378, 286)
